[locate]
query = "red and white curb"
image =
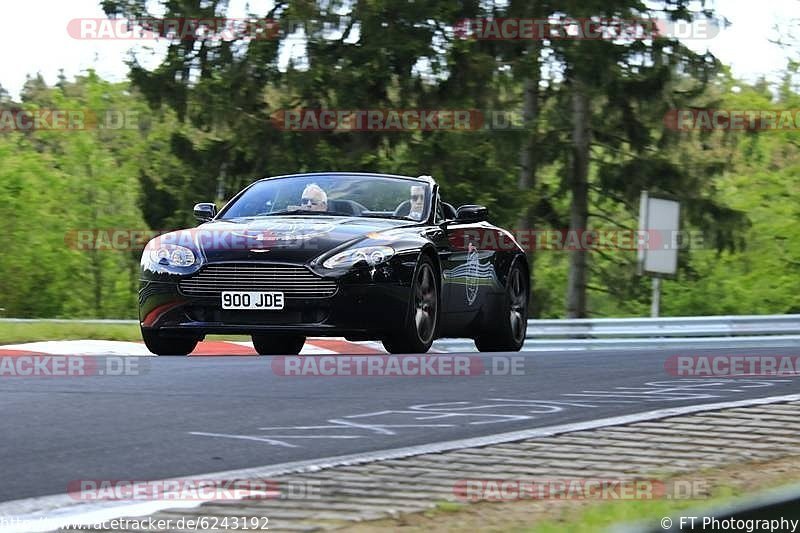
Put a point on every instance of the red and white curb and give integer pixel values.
(313, 346)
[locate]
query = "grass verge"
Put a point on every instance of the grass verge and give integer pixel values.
(590, 516)
(20, 332)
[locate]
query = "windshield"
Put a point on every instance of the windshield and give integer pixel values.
(337, 195)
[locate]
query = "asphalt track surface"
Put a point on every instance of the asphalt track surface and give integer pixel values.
(189, 416)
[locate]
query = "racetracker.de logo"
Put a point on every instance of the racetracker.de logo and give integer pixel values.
(592, 28)
(68, 366)
(275, 234)
(378, 119)
(732, 119)
(473, 490)
(721, 366)
(29, 120)
(574, 239)
(397, 366)
(175, 29)
(191, 489)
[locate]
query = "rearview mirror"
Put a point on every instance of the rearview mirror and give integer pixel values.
(471, 213)
(205, 211)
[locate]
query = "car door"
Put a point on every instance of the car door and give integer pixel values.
(459, 258)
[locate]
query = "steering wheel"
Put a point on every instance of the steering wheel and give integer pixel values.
(403, 209)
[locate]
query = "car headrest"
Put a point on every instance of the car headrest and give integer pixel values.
(341, 206)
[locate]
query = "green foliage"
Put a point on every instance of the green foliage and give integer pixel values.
(205, 129)
(54, 183)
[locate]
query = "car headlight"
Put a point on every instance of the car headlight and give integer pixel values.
(372, 255)
(171, 255)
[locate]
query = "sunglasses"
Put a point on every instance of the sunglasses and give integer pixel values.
(309, 201)
(417, 196)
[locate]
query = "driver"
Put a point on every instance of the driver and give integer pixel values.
(417, 205)
(314, 198)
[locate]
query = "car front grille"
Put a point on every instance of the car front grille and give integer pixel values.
(292, 281)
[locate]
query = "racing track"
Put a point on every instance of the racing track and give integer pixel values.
(191, 416)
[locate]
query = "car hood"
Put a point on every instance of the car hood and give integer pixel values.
(290, 238)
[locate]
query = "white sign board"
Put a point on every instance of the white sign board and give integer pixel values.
(659, 221)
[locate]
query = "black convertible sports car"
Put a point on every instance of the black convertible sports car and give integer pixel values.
(363, 256)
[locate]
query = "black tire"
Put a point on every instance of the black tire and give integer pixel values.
(419, 327)
(278, 344)
(163, 345)
(509, 335)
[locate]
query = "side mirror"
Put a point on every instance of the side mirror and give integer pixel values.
(205, 211)
(471, 213)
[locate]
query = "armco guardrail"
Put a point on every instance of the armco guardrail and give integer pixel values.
(691, 326)
(745, 331)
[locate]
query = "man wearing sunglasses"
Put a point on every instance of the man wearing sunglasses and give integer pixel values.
(417, 202)
(314, 198)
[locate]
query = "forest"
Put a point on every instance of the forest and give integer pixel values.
(563, 134)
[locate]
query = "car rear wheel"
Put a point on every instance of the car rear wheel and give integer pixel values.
(278, 344)
(510, 332)
(419, 328)
(164, 345)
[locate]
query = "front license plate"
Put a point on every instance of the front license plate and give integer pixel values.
(252, 300)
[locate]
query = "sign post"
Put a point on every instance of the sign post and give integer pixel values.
(657, 254)
(655, 302)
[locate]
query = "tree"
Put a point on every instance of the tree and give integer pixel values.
(615, 92)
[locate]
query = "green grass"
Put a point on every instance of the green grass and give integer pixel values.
(607, 514)
(20, 332)
(448, 507)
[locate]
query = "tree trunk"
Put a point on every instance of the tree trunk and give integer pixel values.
(579, 208)
(527, 161)
(96, 264)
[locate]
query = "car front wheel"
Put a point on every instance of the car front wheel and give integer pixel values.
(419, 328)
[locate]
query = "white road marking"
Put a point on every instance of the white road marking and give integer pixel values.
(64, 509)
(465, 413)
(81, 347)
(122, 348)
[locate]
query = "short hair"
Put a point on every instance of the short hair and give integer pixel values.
(313, 187)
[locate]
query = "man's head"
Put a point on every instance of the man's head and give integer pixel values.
(314, 198)
(417, 199)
